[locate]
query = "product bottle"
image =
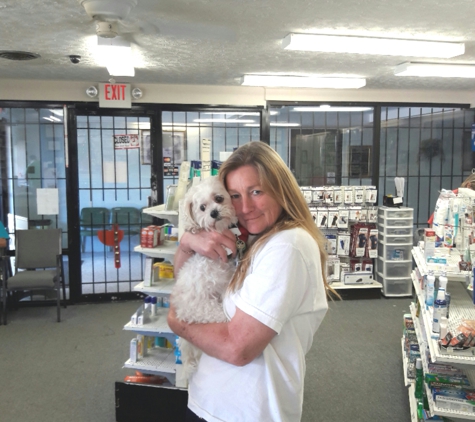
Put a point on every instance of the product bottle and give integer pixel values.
(443, 284)
(430, 281)
(440, 310)
(443, 327)
(154, 306)
(419, 379)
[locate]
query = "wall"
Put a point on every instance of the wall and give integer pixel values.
(28, 90)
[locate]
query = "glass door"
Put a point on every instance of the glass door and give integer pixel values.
(114, 173)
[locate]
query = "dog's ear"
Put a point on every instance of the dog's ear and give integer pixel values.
(188, 218)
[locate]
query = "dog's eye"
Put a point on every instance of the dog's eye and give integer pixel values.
(219, 198)
(202, 207)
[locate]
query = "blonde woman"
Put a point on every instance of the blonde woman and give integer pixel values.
(253, 366)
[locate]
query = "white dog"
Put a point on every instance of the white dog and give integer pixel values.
(202, 282)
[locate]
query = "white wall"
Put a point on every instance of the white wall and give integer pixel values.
(29, 90)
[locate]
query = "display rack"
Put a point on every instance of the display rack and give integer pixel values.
(451, 268)
(158, 360)
(461, 307)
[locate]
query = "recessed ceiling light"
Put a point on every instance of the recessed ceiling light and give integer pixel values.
(442, 70)
(302, 81)
(369, 45)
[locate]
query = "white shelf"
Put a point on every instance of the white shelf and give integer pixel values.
(158, 361)
(453, 273)
(412, 402)
(448, 413)
(405, 359)
(338, 285)
(156, 326)
(167, 250)
(461, 307)
(160, 212)
(163, 287)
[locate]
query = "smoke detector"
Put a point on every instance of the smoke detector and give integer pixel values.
(107, 29)
(108, 10)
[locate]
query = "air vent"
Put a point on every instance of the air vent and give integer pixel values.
(18, 55)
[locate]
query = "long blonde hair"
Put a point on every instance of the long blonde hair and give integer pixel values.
(277, 181)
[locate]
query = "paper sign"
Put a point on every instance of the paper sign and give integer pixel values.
(126, 141)
(47, 201)
(115, 172)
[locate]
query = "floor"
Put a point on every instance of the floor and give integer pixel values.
(57, 372)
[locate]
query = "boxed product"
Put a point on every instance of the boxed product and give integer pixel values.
(429, 243)
(150, 236)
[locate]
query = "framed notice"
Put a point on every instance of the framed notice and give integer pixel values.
(145, 148)
(174, 147)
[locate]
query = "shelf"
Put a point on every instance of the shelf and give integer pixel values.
(338, 285)
(412, 402)
(160, 212)
(167, 250)
(407, 381)
(158, 325)
(160, 288)
(453, 273)
(461, 307)
(159, 361)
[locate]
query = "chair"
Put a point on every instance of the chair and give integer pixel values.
(39, 254)
(147, 219)
(129, 219)
(92, 220)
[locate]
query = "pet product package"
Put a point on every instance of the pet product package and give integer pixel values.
(333, 218)
(322, 217)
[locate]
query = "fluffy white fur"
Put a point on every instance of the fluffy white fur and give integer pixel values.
(202, 282)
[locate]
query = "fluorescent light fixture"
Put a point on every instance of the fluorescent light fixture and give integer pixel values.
(327, 108)
(116, 55)
(57, 112)
(302, 81)
(234, 113)
(443, 70)
(283, 124)
(224, 120)
(368, 45)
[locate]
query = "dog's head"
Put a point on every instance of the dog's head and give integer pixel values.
(208, 206)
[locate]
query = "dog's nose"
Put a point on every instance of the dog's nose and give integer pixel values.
(214, 214)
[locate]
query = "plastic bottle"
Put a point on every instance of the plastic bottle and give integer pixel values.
(419, 379)
(443, 327)
(430, 281)
(440, 310)
(154, 306)
(443, 284)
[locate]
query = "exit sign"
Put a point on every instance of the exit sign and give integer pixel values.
(115, 95)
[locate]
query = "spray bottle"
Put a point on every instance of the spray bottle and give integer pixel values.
(430, 281)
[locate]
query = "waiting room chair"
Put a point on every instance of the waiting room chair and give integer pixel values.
(92, 220)
(38, 253)
(129, 219)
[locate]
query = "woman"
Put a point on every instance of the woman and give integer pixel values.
(253, 366)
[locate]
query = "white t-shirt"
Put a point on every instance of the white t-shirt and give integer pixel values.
(284, 290)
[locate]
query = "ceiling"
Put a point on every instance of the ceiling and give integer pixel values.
(215, 42)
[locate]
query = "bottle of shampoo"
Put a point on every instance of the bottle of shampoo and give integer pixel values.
(419, 379)
(430, 282)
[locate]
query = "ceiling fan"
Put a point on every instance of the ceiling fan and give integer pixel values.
(110, 17)
(112, 20)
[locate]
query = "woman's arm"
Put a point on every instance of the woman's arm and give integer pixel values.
(209, 244)
(237, 342)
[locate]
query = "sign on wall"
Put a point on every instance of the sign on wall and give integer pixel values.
(126, 141)
(115, 95)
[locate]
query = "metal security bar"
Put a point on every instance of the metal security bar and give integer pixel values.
(430, 148)
(114, 187)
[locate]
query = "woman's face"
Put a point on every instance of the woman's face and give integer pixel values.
(255, 209)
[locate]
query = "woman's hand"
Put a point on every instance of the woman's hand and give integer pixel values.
(209, 244)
